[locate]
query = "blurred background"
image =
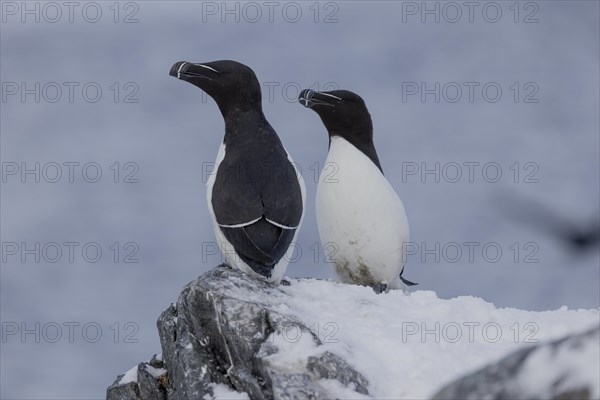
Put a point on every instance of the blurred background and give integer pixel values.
(486, 123)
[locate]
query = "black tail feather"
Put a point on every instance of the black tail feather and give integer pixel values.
(407, 282)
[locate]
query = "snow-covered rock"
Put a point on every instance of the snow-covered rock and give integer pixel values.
(145, 381)
(233, 336)
(565, 369)
(225, 332)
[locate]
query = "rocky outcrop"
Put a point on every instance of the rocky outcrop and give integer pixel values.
(566, 369)
(230, 335)
(224, 330)
(146, 381)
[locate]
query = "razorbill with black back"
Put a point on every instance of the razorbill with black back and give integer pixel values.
(255, 194)
(358, 211)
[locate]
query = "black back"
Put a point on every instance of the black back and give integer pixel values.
(256, 177)
(255, 182)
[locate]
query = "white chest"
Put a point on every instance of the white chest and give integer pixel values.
(360, 217)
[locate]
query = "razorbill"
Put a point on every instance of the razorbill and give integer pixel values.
(359, 214)
(255, 194)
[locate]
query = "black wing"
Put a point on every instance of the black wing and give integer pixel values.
(245, 191)
(260, 245)
(267, 194)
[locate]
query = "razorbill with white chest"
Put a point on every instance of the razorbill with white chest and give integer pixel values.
(255, 194)
(359, 214)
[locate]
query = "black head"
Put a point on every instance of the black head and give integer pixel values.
(343, 112)
(231, 84)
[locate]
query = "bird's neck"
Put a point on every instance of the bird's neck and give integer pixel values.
(240, 123)
(363, 141)
(237, 117)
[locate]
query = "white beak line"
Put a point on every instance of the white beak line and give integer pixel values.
(179, 69)
(207, 67)
(330, 95)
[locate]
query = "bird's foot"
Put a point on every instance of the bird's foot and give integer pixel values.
(380, 288)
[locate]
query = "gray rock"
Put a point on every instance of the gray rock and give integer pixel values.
(330, 366)
(151, 384)
(128, 391)
(224, 329)
(516, 376)
(186, 368)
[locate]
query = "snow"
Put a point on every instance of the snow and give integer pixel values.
(129, 376)
(408, 346)
(294, 347)
(573, 367)
(132, 374)
(341, 391)
(155, 372)
(223, 392)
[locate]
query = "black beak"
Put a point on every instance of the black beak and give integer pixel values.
(186, 70)
(309, 98)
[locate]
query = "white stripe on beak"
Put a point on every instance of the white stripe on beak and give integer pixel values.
(179, 69)
(330, 95)
(207, 67)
